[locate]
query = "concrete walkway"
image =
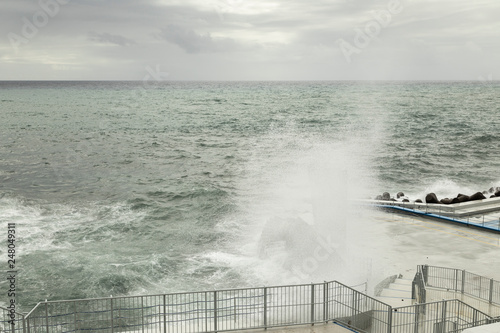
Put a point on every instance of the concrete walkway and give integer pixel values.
(321, 328)
(491, 328)
(396, 244)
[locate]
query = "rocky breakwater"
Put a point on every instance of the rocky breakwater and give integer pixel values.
(432, 198)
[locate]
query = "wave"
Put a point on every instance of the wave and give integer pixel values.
(448, 188)
(63, 244)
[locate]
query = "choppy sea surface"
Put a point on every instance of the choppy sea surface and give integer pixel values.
(117, 188)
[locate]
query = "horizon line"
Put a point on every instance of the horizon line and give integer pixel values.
(203, 80)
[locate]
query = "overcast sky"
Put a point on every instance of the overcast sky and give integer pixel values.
(249, 39)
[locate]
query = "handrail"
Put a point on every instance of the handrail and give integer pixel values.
(18, 317)
(219, 310)
(459, 280)
(183, 293)
(259, 308)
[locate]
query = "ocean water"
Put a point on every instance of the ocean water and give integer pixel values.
(121, 188)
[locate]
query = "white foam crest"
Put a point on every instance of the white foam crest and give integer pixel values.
(444, 188)
(493, 185)
(38, 225)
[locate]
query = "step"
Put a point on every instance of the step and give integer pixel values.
(397, 293)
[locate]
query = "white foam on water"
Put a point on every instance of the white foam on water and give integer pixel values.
(447, 188)
(39, 227)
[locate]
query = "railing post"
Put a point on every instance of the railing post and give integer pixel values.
(312, 304)
(443, 314)
(389, 320)
(215, 311)
(142, 313)
(206, 311)
(417, 315)
(47, 316)
(265, 308)
(164, 313)
(491, 291)
(112, 314)
(234, 311)
(463, 281)
(325, 302)
(76, 318)
(353, 305)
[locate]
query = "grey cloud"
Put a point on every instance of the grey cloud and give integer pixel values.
(110, 39)
(193, 42)
(291, 39)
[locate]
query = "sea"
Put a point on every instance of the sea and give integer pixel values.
(125, 188)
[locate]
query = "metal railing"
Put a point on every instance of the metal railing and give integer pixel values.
(461, 281)
(418, 291)
(11, 321)
(215, 311)
(267, 307)
(451, 316)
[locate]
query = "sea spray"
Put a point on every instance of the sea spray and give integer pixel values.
(303, 224)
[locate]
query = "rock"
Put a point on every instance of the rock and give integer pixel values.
(446, 201)
(400, 194)
(431, 198)
(485, 192)
(418, 201)
(497, 193)
(378, 197)
(386, 196)
(455, 200)
(492, 196)
(463, 198)
(406, 200)
(477, 196)
(491, 190)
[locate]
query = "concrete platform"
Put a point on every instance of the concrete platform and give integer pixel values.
(395, 243)
(477, 207)
(491, 328)
(322, 328)
(317, 328)
(483, 214)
